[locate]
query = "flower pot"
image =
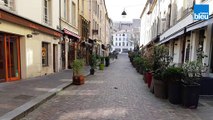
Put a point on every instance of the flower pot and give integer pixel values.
(145, 77)
(190, 95)
(174, 92)
(101, 67)
(149, 78)
(160, 89)
(78, 80)
(92, 71)
(107, 61)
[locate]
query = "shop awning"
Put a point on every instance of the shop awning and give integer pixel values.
(103, 47)
(172, 36)
(71, 34)
(92, 41)
(86, 44)
(199, 24)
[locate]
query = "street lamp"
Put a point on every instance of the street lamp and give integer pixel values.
(124, 13)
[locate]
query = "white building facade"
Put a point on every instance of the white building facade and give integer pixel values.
(171, 23)
(122, 41)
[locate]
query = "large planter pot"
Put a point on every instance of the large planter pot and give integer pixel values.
(149, 78)
(144, 77)
(141, 70)
(160, 89)
(174, 92)
(92, 71)
(107, 61)
(78, 80)
(101, 67)
(190, 95)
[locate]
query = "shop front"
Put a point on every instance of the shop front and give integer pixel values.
(9, 57)
(69, 48)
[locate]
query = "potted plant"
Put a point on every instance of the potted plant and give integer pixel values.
(138, 63)
(93, 63)
(101, 66)
(161, 62)
(148, 66)
(173, 75)
(77, 65)
(107, 61)
(193, 71)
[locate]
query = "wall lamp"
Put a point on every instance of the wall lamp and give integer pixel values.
(124, 13)
(29, 35)
(35, 32)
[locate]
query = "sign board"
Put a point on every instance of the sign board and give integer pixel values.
(201, 12)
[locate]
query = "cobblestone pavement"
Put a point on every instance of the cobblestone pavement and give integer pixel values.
(117, 93)
(17, 93)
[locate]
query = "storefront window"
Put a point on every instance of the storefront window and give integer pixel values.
(44, 54)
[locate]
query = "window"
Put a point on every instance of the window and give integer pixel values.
(100, 16)
(98, 10)
(127, 44)
(116, 39)
(187, 52)
(9, 3)
(116, 44)
(119, 44)
(73, 14)
(44, 54)
(66, 10)
(47, 12)
(82, 7)
(123, 44)
(119, 39)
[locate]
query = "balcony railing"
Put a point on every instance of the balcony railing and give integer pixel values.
(7, 5)
(47, 20)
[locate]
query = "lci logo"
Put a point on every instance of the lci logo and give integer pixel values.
(201, 12)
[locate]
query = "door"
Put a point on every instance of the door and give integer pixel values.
(54, 58)
(12, 58)
(2, 59)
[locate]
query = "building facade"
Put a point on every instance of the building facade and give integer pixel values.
(122, 41)
(99, 26)
(69, 25)
(171, 23)
(126, 35)
(47, 35)
(29, 39)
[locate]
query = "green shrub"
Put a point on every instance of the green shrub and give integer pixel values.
(173, 74)
(77, 66)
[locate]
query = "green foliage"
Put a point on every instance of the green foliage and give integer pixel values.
(193, 70)
(93, 61)
(102, 60)
(161, 61)
(173, 73)
(138, 61)
(77, 66)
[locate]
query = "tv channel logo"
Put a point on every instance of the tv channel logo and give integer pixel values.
(201, 12)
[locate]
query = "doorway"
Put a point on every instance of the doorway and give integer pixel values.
(54, 57)
(2, 59)
(9, 57)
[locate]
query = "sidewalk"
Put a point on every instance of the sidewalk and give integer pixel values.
(17, 97)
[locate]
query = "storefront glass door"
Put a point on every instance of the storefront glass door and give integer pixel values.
(9, 57)
(12, 48)
(2, 60)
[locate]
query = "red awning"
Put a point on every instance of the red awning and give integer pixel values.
(71, 33)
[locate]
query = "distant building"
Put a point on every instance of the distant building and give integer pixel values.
(120, 30)
(122, 41)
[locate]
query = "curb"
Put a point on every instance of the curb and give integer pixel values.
(21, 111)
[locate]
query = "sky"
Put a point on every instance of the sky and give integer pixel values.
(133, 9)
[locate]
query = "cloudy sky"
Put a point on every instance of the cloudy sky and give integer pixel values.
(133, 9)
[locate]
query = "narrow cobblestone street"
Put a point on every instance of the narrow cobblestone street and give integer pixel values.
(117, 93)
